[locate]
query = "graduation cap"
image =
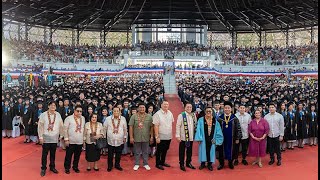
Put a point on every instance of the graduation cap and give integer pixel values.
(227, 103)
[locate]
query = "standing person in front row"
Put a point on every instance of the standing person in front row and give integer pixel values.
(73, 137)
(231, 136)
(116, 130)
(301, 124)
(93, 130)
(258, 130)
(275, 136)
(185, 132)
(244, 119)
(162, 121)
(312, 123)
(209, 134)
(49, 127)
(141, 134)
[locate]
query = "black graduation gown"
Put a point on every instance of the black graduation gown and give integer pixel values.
(290, 131)
(235, 130)
(18, 111)
(34, 120)
(284, 115)
(302, 125)
(26, 117)
(312, 122)
(208, 137)
(7, 118)
(65, 113)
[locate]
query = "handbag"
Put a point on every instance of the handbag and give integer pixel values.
(101, 143)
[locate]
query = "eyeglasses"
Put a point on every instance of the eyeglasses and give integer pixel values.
(79, 111)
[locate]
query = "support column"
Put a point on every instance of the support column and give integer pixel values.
(73, 40)
(312, 35)
(26, 32)
(294, 37)
(157, 35)
(287, 37)
(19, 32)
(128, 36)
(45, 35)
(50, 35)
(78, 36)
(201, 38)
(205, 35)
(133, 31)
(101, 37)
(234, 39)
(265, 38)
(211, 39)
(104, 36)
(260, 38)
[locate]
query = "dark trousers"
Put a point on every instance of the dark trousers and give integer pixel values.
(70, 150)
(244, 148)
(208, 148)
(220, 151)
(220, 155)
(162, 149)
(46, 147)
(117, 150)
(182, 151)
(274, 147)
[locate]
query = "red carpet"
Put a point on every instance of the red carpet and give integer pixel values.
(22, 161)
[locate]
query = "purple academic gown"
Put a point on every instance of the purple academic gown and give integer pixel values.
(258, 148)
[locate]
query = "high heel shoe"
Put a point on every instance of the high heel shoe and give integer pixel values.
(260, 164)
(255, 162)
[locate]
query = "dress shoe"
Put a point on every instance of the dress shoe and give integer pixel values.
(271, 162)
(220, 167)
(159, 167)
(76, 170)
(88, 169)
(190, 166)
(202, 166)
(231, 166)
(166, 165)
(279, 163)
(236, 162)
(43, 172)
(244, 162)
(67, 171)
(119, 168)
(109, 169)
(182, 168)
(210, 168)
(96, 169)
(54, 170)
